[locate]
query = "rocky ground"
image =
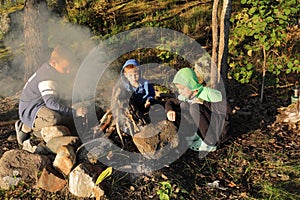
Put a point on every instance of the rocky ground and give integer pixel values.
(259, 161)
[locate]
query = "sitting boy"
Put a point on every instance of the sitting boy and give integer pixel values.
(40, 104)
(132, 94)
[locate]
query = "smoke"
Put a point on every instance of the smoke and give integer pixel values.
(58, 31)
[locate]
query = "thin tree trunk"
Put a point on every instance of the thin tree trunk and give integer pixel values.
(214, 57)
(264, 75)
(223, 44)
(35, 37)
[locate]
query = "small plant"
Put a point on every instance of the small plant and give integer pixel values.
(165, 190)
(106, 173)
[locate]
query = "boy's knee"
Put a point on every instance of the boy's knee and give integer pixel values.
(196, 109)
(47, 117)
(184, 106)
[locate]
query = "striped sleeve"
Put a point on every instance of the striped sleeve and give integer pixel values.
(47, 88)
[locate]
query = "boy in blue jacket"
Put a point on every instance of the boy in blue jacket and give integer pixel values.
(134, 93)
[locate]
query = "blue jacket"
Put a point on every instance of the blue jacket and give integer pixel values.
(145, 91)
(42, 89)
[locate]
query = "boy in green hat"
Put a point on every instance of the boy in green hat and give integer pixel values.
(202, 108)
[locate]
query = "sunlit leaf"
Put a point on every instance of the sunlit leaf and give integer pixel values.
(249, 52)
(106, 173)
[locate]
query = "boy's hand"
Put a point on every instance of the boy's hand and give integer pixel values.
(81, 111)
(171, 115)
(196, 100)
(147, 104)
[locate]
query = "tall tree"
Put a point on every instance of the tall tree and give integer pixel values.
(220, 37)
(35, 35)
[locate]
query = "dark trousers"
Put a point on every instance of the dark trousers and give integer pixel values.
(210, 126)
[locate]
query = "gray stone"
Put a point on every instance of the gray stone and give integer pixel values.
(11, 181)
(40, 148)
(50, 132)
(27, 146)
(91, 151)
(22, 165)
(55, 143)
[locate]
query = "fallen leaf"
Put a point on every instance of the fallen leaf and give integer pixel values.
(232, 184)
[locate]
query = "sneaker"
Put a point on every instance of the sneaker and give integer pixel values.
(200, 145)
(21, 136)
(206, 147)
(193, 138)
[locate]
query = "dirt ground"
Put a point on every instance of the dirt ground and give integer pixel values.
(251, 157)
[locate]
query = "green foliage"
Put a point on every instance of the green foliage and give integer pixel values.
(269, 25)
(6, 8)
(8, 5)
(92, 14)
(165, 190)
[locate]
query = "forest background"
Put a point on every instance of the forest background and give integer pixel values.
(263, 55)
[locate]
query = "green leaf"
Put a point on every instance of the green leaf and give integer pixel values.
(164, 196)
(290, 65)
(243, 1)
(287, 11)
(166, 184)
(106, 173)
(270, 19)
(249, 66)
(263, 39)
(252, 10)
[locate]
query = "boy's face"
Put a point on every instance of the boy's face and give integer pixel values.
(63, 66)
(184, 91)
(132, 75)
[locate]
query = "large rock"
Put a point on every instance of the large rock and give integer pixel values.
(154, 140)
(20, 165)
(92, 151)
(81, 181)
(65, 159)
(50, 180)
(55, 143)
(50, 132)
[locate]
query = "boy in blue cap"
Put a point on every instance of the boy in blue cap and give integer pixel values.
(134, 90)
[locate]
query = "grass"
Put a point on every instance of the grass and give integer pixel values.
(278, 191)
(282, 178)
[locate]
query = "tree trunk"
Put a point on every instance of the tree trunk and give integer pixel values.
(214, 57)
(264, 74)
(223, 44)
(35, 36)
(219, 66)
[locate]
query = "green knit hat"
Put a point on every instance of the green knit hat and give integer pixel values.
(188, 78)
